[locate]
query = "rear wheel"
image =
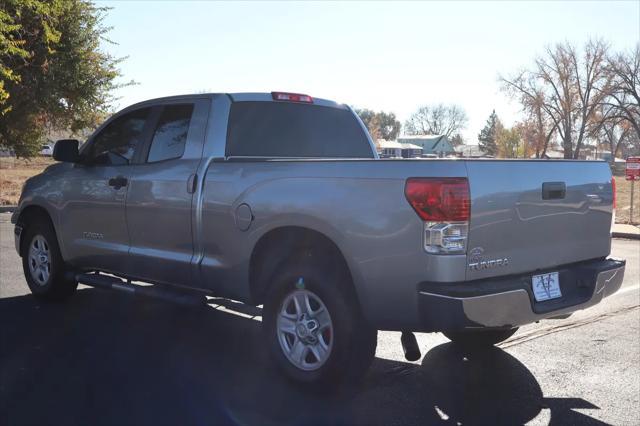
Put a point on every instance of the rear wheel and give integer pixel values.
(313, 325)
(42, 263)
(478, 339)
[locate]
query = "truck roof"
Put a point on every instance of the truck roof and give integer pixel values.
(236, 97)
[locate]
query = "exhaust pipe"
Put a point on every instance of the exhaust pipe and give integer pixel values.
(410, 346)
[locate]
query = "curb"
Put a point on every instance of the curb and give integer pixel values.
(8, 209)
(625, 235)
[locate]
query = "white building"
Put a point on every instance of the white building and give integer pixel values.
(395, 149)
(389, 149)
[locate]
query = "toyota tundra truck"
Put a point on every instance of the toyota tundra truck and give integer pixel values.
(280, 200)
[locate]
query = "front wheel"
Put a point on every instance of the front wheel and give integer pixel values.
(314, 328)
(44, 268)
(479, 339)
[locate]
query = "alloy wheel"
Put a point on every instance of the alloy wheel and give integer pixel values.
(305, 330)
(39, 260)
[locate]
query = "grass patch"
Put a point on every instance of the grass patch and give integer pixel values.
(13, 173)
(623, 190)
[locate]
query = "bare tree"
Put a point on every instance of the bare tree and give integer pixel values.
(623, 101)
(616, 133)
(437, 120)
(567, 87)
(632, 146)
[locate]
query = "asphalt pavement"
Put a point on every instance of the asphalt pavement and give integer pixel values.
(107, 358)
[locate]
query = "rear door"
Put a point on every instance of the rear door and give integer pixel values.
(529, 215)
(161, 188)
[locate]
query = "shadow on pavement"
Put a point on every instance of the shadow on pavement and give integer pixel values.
(104, 358)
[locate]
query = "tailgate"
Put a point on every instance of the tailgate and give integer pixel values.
(532, 215)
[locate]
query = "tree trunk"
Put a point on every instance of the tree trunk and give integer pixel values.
(612, 149)
(566, 145)
(576, 153)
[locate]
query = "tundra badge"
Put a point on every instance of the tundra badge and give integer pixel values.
(92, 235)
(478, 263)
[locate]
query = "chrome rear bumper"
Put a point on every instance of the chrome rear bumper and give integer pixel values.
(509, 302)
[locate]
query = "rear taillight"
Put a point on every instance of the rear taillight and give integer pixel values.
(444, 205)
(613, 188)
(439, 199)
(291, 97)
(615, 197)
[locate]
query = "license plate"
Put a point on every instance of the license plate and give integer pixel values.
(546, 286)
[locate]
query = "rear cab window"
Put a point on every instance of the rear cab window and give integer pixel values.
(294, 130)
(170, 135)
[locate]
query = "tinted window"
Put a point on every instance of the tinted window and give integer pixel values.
(170, 135)
(116, 143)
(282, 129)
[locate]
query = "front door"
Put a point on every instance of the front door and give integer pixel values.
(93, 219)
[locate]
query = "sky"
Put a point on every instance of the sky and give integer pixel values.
(387, 56)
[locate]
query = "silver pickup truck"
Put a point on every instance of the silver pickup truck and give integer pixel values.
(279, 199)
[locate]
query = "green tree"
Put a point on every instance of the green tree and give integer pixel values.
(9, 46)
(487, 139)
(53, 72)
(381, 125)
(457, 140)
(509, 143)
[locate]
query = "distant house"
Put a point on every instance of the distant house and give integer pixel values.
(470, 151)
(410, 150)
(395, 149)
(552, 154)
(389, 149)
(593, 153)
(431, 144)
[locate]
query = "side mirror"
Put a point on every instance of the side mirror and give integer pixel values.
(66, 150)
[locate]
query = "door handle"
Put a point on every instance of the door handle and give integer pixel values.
(554, 190)
(118, 182)
(192, 182)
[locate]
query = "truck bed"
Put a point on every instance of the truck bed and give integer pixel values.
(360, 205)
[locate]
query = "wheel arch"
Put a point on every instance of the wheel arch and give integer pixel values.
(277, 246)
(31, 213)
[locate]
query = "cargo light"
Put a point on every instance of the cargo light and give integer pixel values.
(444, 204)
(291, 97)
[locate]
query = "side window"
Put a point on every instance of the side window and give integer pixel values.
(116, 143)
(170, 135)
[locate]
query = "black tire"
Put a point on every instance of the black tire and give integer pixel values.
(354, 341)
(58, 286)
(479, 339)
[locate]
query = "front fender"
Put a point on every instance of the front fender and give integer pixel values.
(41, 200)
